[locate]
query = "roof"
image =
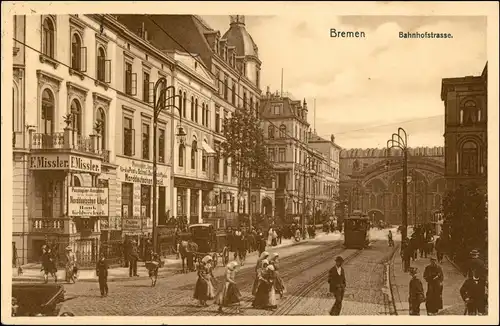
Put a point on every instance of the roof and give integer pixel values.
(291, 108)
(238, 36)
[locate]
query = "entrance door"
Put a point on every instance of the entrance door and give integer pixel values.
(162, 220)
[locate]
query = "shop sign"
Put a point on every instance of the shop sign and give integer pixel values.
(141, 172)
(88, 201)
(134, 223)
(64, 162)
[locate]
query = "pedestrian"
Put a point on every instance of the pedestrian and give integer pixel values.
(476, 266)
(337, 282)
(261, 264)
(153, 266)
(473, 292)
(204, 290)
(102, 274)
(228, 293)
(49, 265)
(71, 268)
(391, 242)
(265, 296)
(261, 243)
(279, 232)
(133, 257)
(279, 285)
(274, 237)
(417, 295)
(406, 254)
(148, 250)
(433, 274)
(430, 245)
(439, 249)
(241, 247)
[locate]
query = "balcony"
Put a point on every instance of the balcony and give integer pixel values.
(48, 225)
(68, 140)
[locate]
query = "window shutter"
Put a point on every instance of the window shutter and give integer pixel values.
(107, 71)
(83, 59)
(151, 93)
(134, 84)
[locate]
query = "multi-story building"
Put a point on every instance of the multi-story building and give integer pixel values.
(63, 136)
(371, 181)
(466, 130)
(233, 63)
(286, 133)
(329, 185)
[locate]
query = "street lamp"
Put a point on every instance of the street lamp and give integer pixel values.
(160, 103)
(307, 161)
(400, 140)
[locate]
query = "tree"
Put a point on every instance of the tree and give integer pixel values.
(245, 147)
(466, 214)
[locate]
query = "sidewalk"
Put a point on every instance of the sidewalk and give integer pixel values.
(32, 273)
(453, 279)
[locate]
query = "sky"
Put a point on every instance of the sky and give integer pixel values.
(366, 88)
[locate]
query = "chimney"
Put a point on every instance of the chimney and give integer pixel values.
(332, 138)
(268, 91)
(305, 105)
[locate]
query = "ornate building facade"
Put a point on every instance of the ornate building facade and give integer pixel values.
(466, 129)
(371, 181)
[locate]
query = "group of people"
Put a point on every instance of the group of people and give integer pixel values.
(49, 264)
(472, 291)
(267, 282)
(421, 241)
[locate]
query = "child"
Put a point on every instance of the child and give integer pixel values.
(416, 293)
(102, 273)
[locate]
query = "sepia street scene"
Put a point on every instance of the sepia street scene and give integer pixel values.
(234, 165)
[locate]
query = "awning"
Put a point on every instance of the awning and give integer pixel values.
(207, 148)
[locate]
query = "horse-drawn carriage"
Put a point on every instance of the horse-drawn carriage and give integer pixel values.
(209, 243)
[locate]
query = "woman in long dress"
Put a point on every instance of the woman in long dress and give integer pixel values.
(203, 290)
(70, 265)
(228, 293)
(258, 266)
(265, 298)
(279, 285)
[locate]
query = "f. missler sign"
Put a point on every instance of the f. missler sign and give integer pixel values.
(64, 162)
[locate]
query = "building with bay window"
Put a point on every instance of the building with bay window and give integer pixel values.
(63, 135)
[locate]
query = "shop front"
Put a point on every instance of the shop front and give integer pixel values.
(193, 200)
(135, 181)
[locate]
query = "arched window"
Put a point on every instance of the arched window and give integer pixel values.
(76, 52)
(180, 101)
(101, 120)
(76, 111)
(233, 94)
(192, 108)
(101, 64)
(196, 110)
(470, 115)
(194, 151)
(470, 159)
(48, 108)
(270, 132)
(76, 181)
(181, 155)
(282, 131)
(48, 37)
(184, 102)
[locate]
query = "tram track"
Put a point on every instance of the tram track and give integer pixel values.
(290, 267)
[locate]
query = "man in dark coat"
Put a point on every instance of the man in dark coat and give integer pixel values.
(473, 292)
(102, 274)
(261, 242)
(406, 254)
(433, 274)
(476, 266)
(133, 258)
(336, 279)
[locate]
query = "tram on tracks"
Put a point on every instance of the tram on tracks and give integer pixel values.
(357, 231)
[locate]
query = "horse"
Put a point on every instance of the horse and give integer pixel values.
(187, 251)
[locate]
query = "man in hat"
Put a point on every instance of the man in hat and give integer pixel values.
(416, 296)
(336, 279)
(473, 292)
(433, 274)
(476, 266)
(133, 258)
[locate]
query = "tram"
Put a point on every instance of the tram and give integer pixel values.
(357, 231)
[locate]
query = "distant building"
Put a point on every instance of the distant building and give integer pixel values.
(466, 129)
(371, 181)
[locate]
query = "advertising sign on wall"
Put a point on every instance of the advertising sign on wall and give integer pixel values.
(88, 201)
(64, 162)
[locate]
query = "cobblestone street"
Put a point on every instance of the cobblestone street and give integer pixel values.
(303, 268)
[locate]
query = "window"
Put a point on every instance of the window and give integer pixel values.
(226, 87)
(76, 122)
(277, 110)
(145, 141)
(184, 105)
(226, 164)
(257, 78)
(48, 107)
(145, 88)
(282, 131)
(180, 102)
(145, 201)
(48, 35)
(194, 150)
(127, 199)
(470, 113)
(233, 93)
(217, 158)
(130, 80)
(101, 121)
(204, 161)
(161, 146)
(181, 155)
(282, 155)
(244, 100)
(470, 158)
(101, 65)
(78, 53)
(217, 120)
(271, 154)
(224, 120)
(196, 110)
(47, 198)
(181, 201)
(128, 137)
(270, 132)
